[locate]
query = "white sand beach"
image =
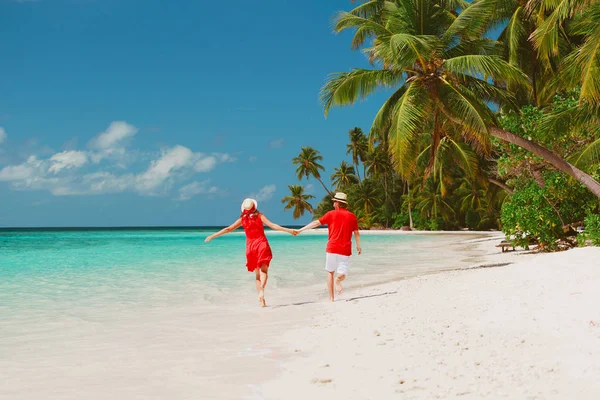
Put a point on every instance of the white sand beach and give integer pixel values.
(528, 330)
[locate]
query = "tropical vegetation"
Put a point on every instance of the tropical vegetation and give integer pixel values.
(482, 129)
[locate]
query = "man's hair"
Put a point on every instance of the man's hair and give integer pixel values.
(341, 205)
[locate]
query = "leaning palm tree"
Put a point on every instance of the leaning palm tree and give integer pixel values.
(308, 165)
(357, 148)
(343, 176)
(440, 68)
(298, 201)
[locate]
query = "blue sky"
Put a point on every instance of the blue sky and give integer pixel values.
(122, 112)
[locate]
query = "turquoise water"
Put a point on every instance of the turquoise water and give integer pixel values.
(157, 313)
(57, 269)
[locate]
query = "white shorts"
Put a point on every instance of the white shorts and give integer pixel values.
(337, 262)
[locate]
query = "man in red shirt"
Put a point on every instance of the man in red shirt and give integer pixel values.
(341, 224)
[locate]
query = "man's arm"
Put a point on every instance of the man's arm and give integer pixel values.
(315, 224)
(357, 238)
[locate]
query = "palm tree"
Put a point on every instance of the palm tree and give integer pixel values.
(450, 156)
(520, 19)
(308, 165)
(377, 161)
(357, 147)
(580, 68)
(440, 66)
(343, 176)
(431, 202)
(367, 197)
(471, 196)
(298, 201)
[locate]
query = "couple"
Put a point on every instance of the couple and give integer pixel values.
(340, 222)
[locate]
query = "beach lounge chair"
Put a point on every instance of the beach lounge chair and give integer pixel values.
(505, 245)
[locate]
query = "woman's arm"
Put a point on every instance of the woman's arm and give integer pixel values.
(223, 231)
(273, 226)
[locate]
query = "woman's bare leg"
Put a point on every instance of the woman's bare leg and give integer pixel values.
(264, 276)
(259, 288)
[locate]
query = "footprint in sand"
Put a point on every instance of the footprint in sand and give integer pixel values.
(322, 381)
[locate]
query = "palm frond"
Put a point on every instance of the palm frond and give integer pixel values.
(589, 60)
(408, 115)
(514, 34)
(461, 106)
(346, 87)
(487, 66)
(546, 37)
(383, 119)
(472, 21)
(589, 156)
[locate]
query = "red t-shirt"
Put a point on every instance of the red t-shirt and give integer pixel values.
(341, 224)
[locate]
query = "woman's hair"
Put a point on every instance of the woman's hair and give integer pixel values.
(251, 213)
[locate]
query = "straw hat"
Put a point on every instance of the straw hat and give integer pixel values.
(248, 204)
(341, 197)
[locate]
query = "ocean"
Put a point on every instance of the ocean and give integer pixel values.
(121, 307)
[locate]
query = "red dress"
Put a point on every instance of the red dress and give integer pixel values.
(258, 251)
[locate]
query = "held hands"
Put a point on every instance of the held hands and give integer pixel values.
(294, 232)
(208, 239)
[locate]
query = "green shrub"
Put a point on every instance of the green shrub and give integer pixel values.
(472, 219)
(592, 229)
(400, 220)
(541, 213)
(528, 214)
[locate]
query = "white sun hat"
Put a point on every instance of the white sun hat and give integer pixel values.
(341, 197)
(247, 204)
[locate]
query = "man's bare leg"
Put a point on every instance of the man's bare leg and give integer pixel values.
(264, 276)
(338, 283)
(330, 285)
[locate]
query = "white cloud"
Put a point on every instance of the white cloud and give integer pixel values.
(195, 188)
(110, 138)
(2, 135)
(265, 193)
(28, 170)
(110, 143)
(205, 164)
(59, 173)
(67, 160)
(105, 182)
(276, 144)
(161, 170)
(224, 157)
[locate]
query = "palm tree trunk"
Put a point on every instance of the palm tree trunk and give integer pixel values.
(325, 187)
(409, 208)
(551, 158)
(500, 184)
(357, 173)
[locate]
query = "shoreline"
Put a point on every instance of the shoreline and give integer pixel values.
(404, 328)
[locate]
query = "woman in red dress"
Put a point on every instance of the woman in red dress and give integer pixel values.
(258, 251)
